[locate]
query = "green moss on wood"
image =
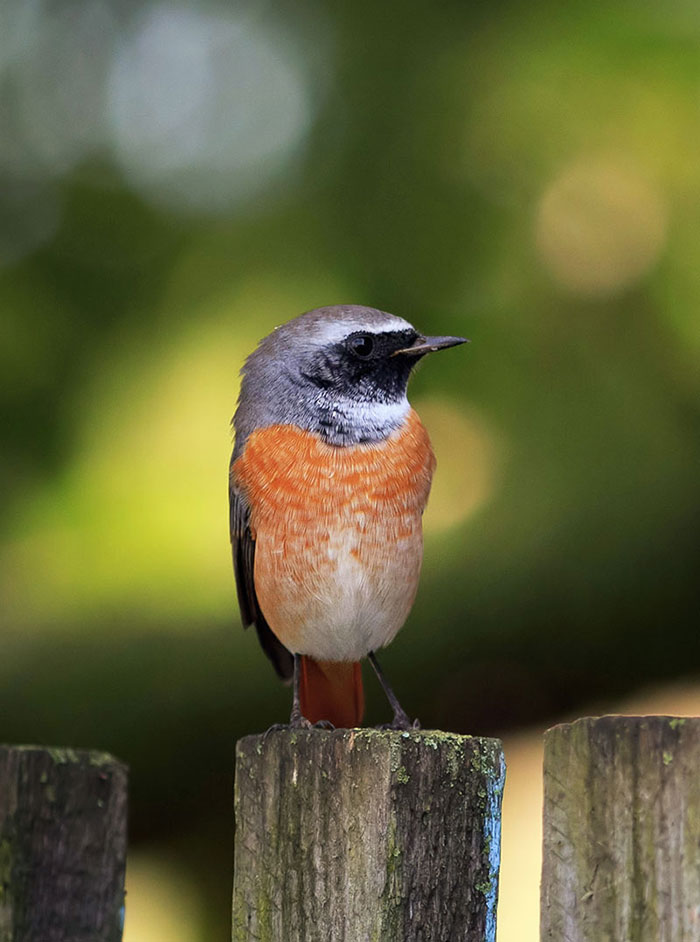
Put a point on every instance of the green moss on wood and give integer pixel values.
(389, 926)
(264, 928)
(485, 887)
(101, 759)
(63, 756)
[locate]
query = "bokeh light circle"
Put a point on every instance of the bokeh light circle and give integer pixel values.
(600, 227)
(467, 453)
(54, 62)
(205, 107)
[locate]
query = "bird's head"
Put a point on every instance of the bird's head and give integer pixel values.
(341, 371)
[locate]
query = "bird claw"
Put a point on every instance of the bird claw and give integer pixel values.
(275, 728)
(400, 723)
(297, 721)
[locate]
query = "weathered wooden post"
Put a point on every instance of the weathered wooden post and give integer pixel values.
(62, 845)
(367, 835)
(622, 830)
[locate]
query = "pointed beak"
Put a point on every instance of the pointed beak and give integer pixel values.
(430, 345)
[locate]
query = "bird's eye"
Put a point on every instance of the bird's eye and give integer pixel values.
(362, 345)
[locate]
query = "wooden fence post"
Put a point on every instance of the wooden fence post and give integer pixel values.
(367, 835)
(62, 845)
(622, 830)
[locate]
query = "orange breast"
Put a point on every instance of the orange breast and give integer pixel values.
(338, 534)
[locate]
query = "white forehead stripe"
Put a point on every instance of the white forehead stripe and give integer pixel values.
(335, 331)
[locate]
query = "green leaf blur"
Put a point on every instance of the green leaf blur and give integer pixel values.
(178, 179)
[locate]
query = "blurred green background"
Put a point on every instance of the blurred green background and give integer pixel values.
(178, 178)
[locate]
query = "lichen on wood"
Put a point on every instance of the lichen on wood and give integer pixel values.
(367, 835)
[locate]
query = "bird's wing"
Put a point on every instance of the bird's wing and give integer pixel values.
(243, 549)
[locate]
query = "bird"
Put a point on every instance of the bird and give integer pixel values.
(328, 480)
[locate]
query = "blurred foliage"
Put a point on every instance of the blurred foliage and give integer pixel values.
(176, 180)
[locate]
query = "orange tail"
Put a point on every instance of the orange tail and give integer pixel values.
(332, 690)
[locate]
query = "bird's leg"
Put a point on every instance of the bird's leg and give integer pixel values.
(296, 719)
(400, 720)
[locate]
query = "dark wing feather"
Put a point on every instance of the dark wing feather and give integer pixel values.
(243, 548)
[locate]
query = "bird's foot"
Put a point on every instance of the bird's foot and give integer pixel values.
(275, 728)
(298, 721)
(400, 722)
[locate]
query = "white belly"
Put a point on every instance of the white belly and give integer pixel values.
(355, 608)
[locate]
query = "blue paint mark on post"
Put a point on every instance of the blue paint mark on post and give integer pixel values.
(492, 835)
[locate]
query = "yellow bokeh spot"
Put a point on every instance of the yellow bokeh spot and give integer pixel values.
(521, 839)
(600, 227)
(466, 453)
(160, 902)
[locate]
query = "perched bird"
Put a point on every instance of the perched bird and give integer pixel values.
(329, 477)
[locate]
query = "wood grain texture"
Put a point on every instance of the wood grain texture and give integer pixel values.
(62, 845)
(622, 830)
(367, 836)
